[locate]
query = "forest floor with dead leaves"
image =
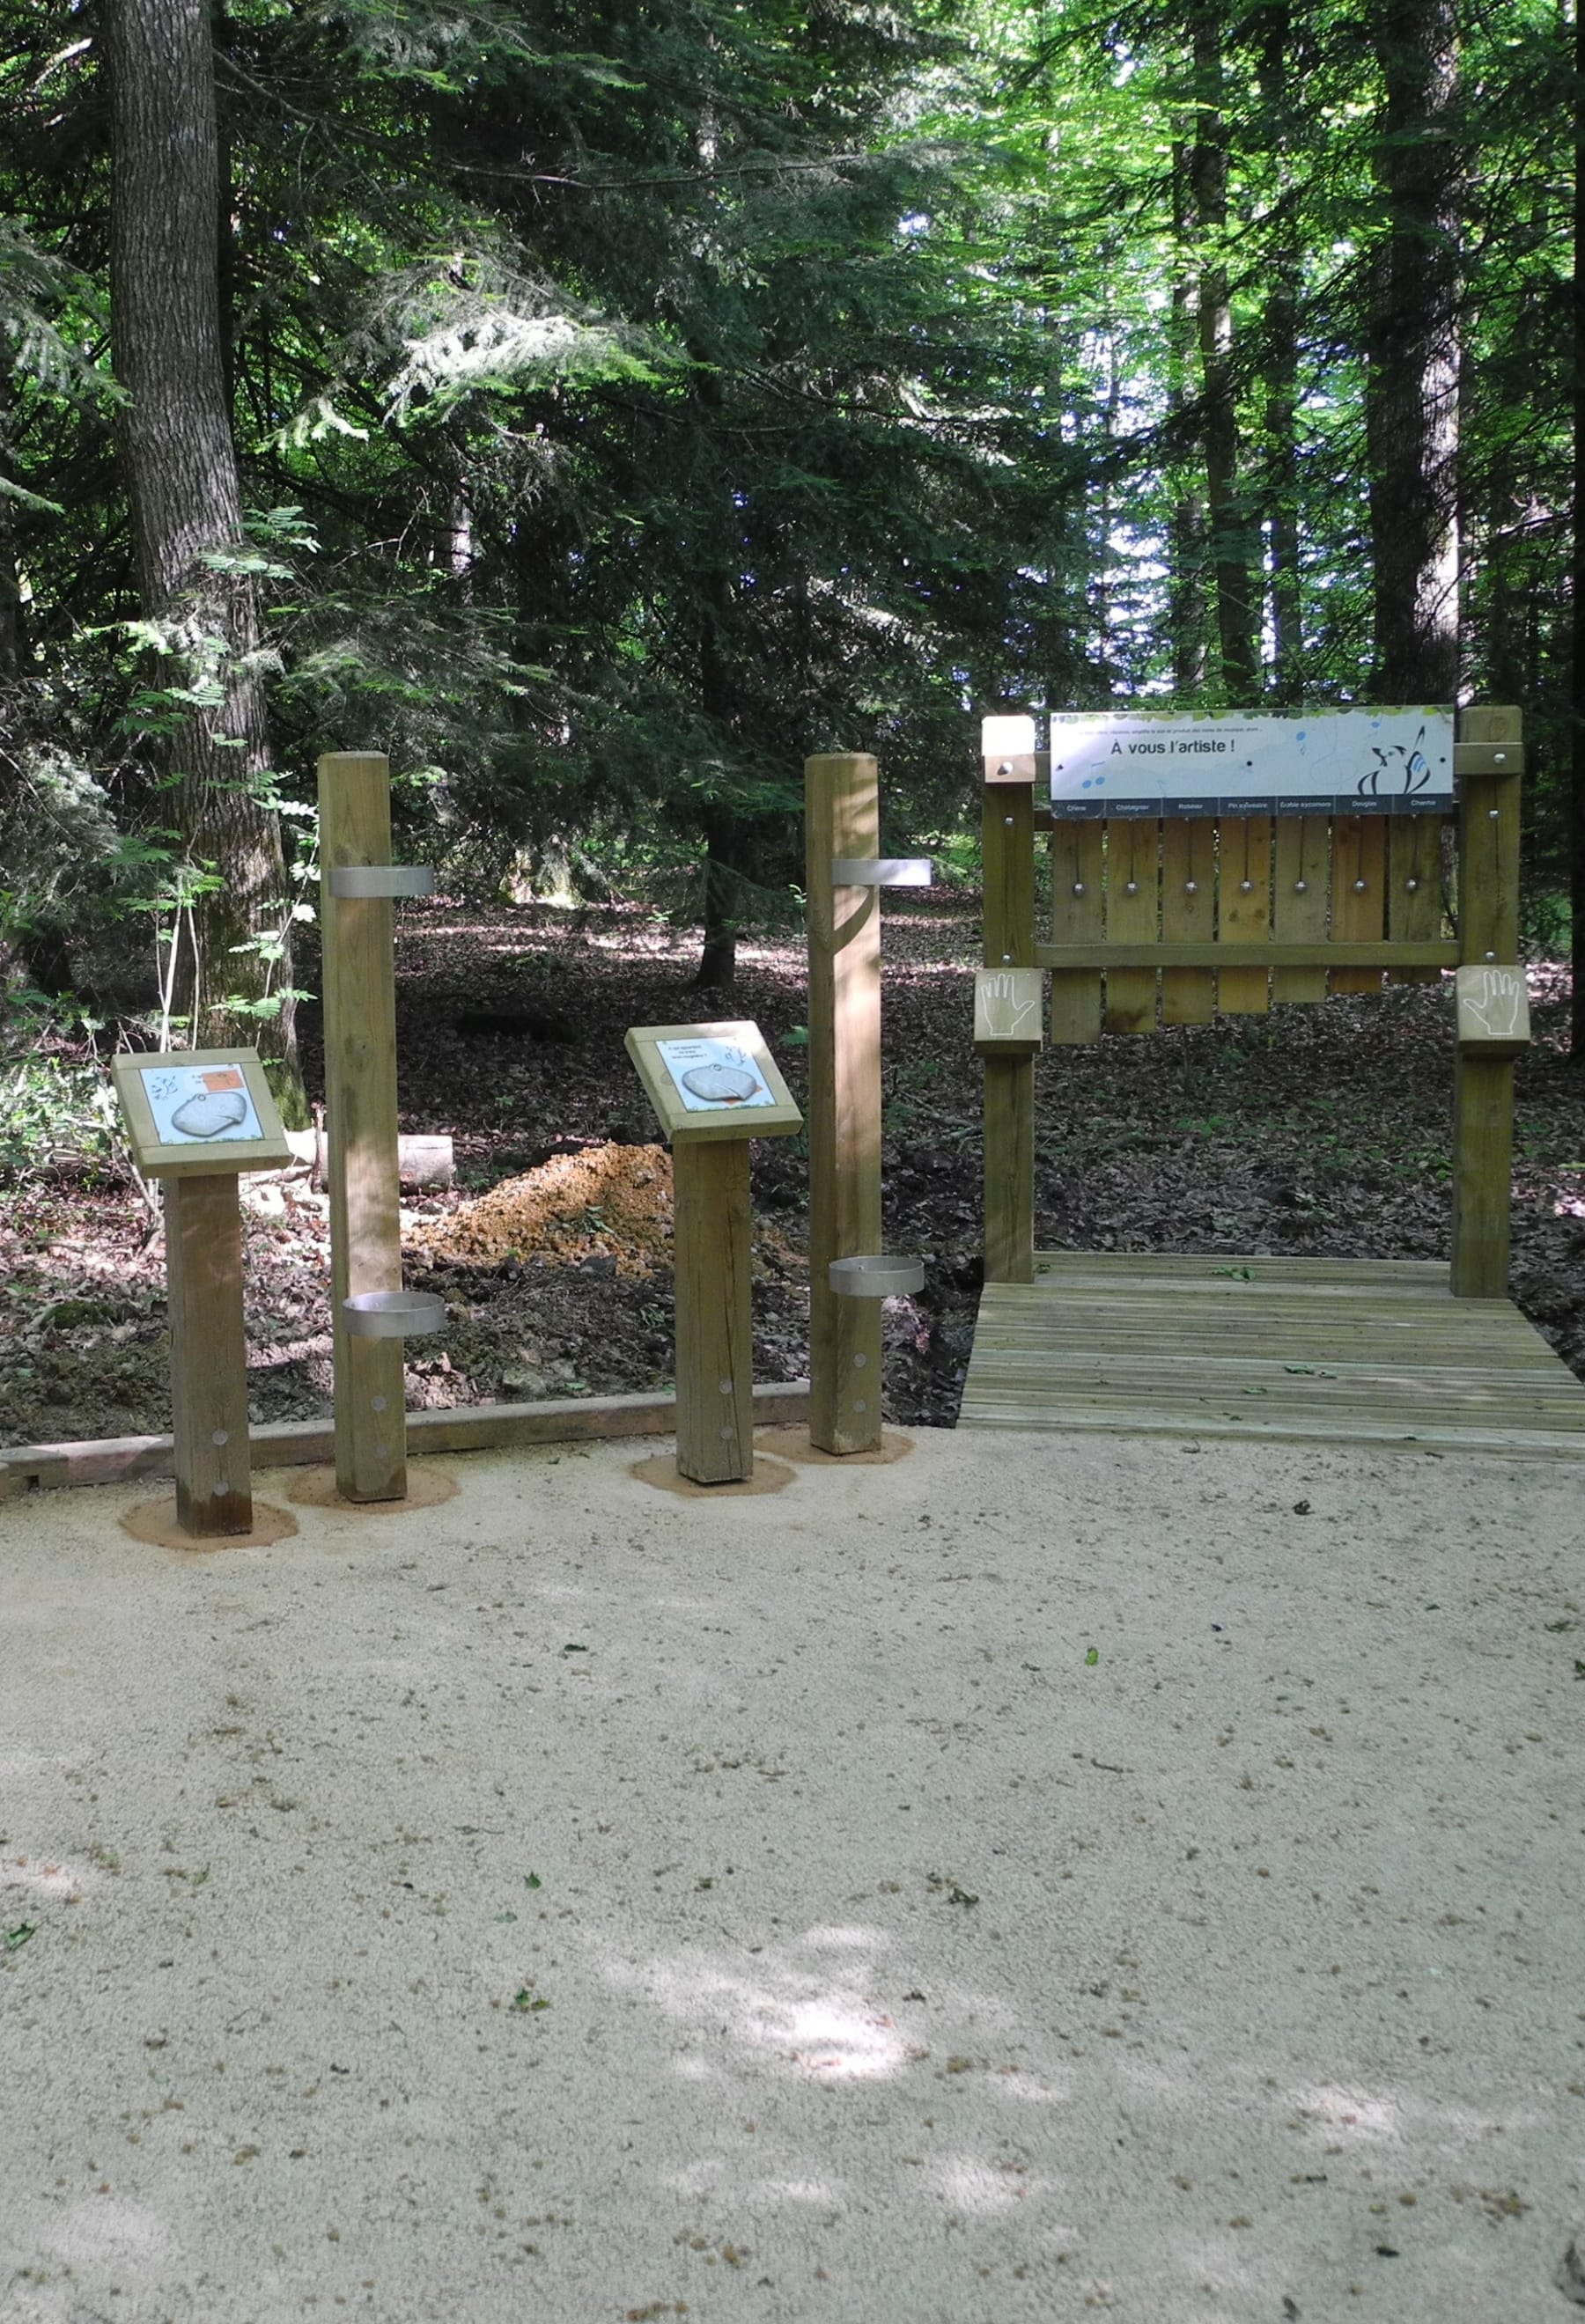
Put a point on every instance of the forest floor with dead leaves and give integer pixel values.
(1319, 1132)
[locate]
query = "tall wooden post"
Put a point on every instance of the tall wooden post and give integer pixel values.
(1008, 850)
(842, 820)
(715, 1321)
(209, 1355)
(360, 1111)
(1489, 758)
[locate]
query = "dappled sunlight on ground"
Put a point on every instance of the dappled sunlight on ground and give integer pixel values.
(61, 1883)
(988, 2190)
(1366, 2116)
(567, 1903)
(785, 2014)
(111, 2229)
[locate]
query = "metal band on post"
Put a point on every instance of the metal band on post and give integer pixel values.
(882, 871)
(382, 879)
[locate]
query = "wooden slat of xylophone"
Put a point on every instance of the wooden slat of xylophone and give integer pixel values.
(1300, 899)
(1078, 917)
(1132, 899)
(1187, 915)
(1244, 909)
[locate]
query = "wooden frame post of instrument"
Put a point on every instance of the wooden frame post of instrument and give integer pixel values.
(1007, 825)
(842, 823)
(1488, 758)
(369, 1312)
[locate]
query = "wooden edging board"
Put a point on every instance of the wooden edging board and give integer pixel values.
(467, 1428)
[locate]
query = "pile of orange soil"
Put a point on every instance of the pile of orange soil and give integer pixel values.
(611, 1201)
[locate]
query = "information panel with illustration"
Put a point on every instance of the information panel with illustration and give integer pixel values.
(192, 1110)
(712, 1081)
(1339, 763)
(199, 1103)
(711, 1074)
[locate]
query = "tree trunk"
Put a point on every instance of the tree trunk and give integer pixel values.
(1281, 376)
(1231, 556)
(717, 959)
(186, 501)
(1101, 553)
(713, 578)
(1186, 526)
(11, 630)
(1412, 370)
(721, 905)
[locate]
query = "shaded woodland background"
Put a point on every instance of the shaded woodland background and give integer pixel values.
(600, 409)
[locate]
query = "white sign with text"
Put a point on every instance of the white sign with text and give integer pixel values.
(1340, 761)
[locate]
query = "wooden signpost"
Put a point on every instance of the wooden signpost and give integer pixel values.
(197, 1117)
(713, 1088)
(1489, 759)
(847, 1277)
(371, 1312)
(1007, 823)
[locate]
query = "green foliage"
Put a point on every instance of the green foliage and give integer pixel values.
(639, 400)
(56, 1110)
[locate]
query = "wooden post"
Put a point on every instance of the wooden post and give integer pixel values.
(1488, 933)
(1009, 849)
(842, 818)
(712, 1248)
(360, 1109)
(208, 1354)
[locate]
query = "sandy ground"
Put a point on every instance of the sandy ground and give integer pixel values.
(1041, 1877)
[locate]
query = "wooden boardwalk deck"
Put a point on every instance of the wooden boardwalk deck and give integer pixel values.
(1332, 1351)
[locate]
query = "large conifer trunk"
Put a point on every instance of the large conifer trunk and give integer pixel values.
(1275, 26)
(185, 499)
(1231, 549)
(1412, 385)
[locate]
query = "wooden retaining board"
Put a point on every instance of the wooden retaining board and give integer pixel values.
(462, 1428)
(1331, 1351)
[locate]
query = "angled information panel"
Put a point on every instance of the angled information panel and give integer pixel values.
(190, 1112)
(712, 1081)
(1397, 761)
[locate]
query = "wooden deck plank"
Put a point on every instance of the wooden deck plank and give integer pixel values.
(1430, 1274)
(1347, 1351)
